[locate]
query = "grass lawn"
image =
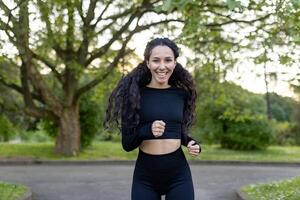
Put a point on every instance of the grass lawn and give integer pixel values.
(279, 190)
(113, 151)
(10, 191)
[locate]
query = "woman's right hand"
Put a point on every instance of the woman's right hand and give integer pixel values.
(158, 128)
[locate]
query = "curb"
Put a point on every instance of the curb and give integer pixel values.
(27, 195)
(241, 195)
(245, 163)
(131, 162)
(65, 162)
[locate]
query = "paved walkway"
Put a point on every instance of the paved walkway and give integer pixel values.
(109, 182)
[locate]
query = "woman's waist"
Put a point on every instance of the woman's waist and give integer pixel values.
(160, 146)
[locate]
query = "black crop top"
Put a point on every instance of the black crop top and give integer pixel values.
(166, 104)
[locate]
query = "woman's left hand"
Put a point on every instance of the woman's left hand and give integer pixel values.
(193, 148)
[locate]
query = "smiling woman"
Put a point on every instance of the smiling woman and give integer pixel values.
(156, 104)
(161, 65)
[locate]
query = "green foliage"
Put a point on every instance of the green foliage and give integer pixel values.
(9, 191)
(6, 129)
(285, 133)
(90, 116)
(101, 94)
(170, 5)
(230, 115)
(232, 4)
(113, 150)
(296, 120)
(282, 107)
(247, 135)
(39, 134)
(277, 190)
(284, 59)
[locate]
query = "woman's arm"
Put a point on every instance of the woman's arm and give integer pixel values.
(188, 139)
(191, 146)
(133, 137)
(185, 140)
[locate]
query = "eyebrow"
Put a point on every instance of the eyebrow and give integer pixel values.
(165, 57)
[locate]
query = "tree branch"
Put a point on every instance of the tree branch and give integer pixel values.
(102, 13)
(19, 89)
(40, 113)
(79, 8)
(70, 29)
(239, 21)
(6, 28)
(215, 5)
(100, 51)
(105, 27)
(91, 12)
(120, 54)
(45, 17)
(49, 64)
(96, 81)
(7, 11)
(42, 88)
(119, 15)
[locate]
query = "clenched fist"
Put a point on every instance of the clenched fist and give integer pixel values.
(158, 128)
(193, 148)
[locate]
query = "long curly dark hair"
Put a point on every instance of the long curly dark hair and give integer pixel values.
(124, 101)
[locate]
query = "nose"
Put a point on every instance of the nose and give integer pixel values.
(162, 65)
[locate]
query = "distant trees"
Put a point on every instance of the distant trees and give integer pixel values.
(67, 40)
(55, 64)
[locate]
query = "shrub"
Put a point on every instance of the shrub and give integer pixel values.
(90, 116)
(6, 129)
(284, 133)
(247, 135)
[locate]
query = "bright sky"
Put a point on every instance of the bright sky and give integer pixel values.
(246, 74)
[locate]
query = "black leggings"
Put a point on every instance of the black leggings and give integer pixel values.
(167, 174)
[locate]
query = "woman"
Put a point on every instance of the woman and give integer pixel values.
(156, 104)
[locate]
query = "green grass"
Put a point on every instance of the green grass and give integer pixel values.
(10, 191)
(279, 190)
(113, 151)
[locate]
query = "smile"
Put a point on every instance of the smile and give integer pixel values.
(162, 74)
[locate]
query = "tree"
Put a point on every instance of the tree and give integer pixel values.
(223, 31)
(228, 114)
(77, 36)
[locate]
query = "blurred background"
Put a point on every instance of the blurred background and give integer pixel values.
(60, 60)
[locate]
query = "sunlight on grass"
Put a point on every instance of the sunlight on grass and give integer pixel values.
(10, 191)
(279, 190)
(114, 151)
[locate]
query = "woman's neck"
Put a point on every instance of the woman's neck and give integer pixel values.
(158, 86)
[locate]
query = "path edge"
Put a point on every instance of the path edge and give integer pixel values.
(27, 195)
(130, 162)
(241, 195)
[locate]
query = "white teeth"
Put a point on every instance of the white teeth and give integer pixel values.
(162, 74)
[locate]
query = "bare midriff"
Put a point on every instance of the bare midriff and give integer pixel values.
(160, 146)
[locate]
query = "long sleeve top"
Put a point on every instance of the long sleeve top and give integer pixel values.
(165, 104)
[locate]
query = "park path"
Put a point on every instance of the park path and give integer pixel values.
(113, 181)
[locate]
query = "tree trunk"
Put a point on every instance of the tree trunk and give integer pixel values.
(268, 100)
(68, 139)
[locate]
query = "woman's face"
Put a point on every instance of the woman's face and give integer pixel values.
(161, 64)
